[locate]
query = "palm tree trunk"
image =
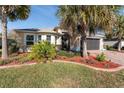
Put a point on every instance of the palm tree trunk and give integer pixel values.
(119, 45)
(83, 46)
(4, 34)
(68, 49)
(83, 41)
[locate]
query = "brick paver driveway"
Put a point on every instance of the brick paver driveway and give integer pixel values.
(114, 56)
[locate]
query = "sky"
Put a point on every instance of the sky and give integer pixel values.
(41, 16)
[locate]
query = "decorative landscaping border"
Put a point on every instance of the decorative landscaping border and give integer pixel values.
(62, 61)
(14, 66)
(95, 68)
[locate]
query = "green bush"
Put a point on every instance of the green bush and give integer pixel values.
(12, 46)
(9, 60)
(4, 62)
(18, 58)
(68, 53)
(101, 57)
(43, 51)
(13, 49)
(109, 47)
(24, 59)
(65, 53)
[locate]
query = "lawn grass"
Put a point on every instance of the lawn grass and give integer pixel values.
(59, 75)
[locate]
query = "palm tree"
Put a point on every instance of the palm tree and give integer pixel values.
(83, 17)
(119, 33)
(68, 22)
(12, 13)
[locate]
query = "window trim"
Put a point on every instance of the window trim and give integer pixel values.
(47, 39)
(38, 38)
(25, 40)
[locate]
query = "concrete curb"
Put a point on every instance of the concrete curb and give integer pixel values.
(14, 66)
(61, 61)
(100, 69)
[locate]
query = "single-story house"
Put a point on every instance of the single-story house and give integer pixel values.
(27, 37)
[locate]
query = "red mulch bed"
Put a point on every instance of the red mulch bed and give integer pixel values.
(91, 61)
(17, 62)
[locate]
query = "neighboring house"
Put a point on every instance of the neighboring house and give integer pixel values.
(27, 37)
(113, 43)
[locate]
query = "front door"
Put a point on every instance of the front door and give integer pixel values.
(65, 42)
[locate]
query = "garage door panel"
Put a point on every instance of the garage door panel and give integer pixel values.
(93, 44)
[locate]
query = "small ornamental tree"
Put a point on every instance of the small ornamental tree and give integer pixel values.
(43, 52)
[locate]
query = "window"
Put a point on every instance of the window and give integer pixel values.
(48, 38)
(39, 38)
(29, 39)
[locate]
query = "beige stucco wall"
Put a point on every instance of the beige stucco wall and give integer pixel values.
(20, 38)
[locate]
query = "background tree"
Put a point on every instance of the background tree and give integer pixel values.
(12, 13)
(119, 32)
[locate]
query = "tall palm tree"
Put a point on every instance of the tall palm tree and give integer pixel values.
(83, 17)
(12, 13)
(119, 32)
(68, 21)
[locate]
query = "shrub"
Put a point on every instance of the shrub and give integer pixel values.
(9, 60)
(65, 53)
(12, 46)
(13, 49)
(14, 55)
(4, 62)
(43, 51)
(23, 59)
(109, 47)
(122, 48)
(15, 58)
(101, 57)
(77, 54)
